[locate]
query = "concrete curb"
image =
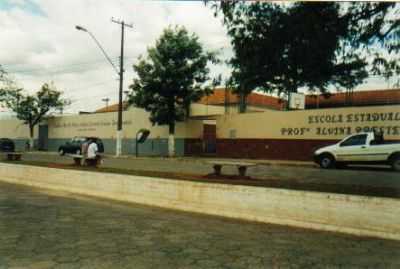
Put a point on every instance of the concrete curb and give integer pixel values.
(352, 214)
(202, 160)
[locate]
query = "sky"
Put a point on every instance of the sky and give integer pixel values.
(39, 43)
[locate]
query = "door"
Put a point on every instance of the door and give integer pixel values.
(378, 152)
(43, 143)
(210, 138)
(353, 149)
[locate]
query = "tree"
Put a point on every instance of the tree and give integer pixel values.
(374, 30)
(31, 109)
(312, 45)
(5, 80)
(172, 76)
(2, 74)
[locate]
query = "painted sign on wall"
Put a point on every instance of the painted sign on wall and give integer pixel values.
(348, 123)
(104, 125)
(313, 124)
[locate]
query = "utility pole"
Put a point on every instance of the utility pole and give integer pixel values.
(121, 82)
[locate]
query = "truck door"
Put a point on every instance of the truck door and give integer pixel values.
(377, 150)
(353, 149)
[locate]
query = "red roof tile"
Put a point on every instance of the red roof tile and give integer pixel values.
(359, 98)
(111, 108)
(253, 99)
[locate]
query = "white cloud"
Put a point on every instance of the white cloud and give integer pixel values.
(40, 48)
(39, 42)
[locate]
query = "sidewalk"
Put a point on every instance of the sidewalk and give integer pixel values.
(210, 159)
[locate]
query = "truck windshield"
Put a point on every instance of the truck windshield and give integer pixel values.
(354, 141)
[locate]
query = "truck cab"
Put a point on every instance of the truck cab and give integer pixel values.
(360, 148)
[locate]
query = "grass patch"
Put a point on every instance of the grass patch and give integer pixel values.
(230, 179)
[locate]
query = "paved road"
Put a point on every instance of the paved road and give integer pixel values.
(364, 176)
(40, 230)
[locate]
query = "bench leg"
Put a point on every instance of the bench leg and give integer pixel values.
(98, 161)
(217, 169)
(91, 162)
(77, 161)
(242, 171)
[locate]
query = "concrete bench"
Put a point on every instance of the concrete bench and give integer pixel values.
(242, 166)
(80, 159)
(13, 156)
(77, 158)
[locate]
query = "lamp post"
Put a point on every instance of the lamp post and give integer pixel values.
(120, 72)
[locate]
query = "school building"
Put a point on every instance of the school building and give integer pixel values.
(215, 128)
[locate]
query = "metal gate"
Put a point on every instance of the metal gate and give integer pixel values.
(43, 143)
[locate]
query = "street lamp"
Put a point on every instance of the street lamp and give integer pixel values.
(118, 148)
(80, 28)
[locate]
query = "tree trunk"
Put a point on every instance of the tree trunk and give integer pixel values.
(292, 89)
(171, 140)
(242, 103)
(242, 99)
(31, 138)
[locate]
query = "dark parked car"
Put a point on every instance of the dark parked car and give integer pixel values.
(75, 145)
(6, 145)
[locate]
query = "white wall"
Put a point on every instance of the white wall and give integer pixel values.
(360, 215)
(311, 124)
(15, 129)
(104, 125)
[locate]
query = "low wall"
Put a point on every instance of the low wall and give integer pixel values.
(367, 216)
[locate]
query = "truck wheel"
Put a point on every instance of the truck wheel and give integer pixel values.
(395, 163)
(326, 161)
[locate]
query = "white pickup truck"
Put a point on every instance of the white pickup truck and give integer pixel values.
(360, 148)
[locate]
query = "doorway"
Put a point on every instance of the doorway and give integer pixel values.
(210, 139)
(43, 143)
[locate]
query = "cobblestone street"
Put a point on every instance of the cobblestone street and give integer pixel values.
(46, 230)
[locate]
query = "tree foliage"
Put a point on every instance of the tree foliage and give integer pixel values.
(2, 74)
(374, 30)
(174, 74)
(312, 45)
(5, 80)
(31, 109)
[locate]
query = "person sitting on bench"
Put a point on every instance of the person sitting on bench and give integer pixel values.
(92, 157)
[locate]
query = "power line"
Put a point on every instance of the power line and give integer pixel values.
(89, 86)
(79, 63)
(78, 67)
(58, 69)
(92, 97)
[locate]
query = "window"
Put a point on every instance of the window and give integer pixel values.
(354, 141)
